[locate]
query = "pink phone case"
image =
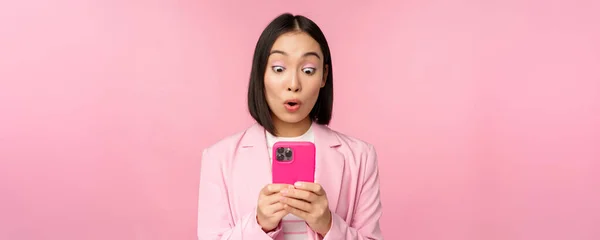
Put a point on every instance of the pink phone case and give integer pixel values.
(293, 161)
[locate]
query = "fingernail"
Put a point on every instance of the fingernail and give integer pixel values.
(284, 191)
(298, 184)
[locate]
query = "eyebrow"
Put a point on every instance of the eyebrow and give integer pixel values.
(304, 55)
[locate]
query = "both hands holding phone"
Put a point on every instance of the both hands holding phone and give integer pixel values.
(304, 199)
(293, 189)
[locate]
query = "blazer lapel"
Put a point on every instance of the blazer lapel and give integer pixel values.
(254, 159)
(329, 169)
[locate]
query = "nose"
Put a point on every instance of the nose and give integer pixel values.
(294, 85)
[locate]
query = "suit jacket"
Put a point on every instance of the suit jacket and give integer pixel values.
(236, 168)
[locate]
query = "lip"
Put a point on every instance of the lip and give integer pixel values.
(294, 108)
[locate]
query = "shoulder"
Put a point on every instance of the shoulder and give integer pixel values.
(358, 153)
(353, 144)
(226, 142)
(226, 145)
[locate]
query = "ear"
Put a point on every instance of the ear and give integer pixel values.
(325, 74)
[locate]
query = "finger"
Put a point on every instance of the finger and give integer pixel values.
(271, 199)
(298, 204)
(301, 214)
(273, 188)
(308, 186)
(299, 194)
(274, 208)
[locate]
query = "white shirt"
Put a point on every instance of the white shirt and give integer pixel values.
(293, 227)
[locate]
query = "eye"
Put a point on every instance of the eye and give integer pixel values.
(278, 69)
(309, 70)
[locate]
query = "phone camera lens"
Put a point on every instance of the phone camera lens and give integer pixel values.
(280, 157)
(288, 153)
(280, 150)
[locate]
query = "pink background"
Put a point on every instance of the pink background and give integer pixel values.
(485, 114)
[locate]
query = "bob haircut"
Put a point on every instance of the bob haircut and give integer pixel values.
(257, 103)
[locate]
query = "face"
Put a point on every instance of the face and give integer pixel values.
(294, 76)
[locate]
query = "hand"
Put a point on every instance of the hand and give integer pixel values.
(309, 202)
(269, 210)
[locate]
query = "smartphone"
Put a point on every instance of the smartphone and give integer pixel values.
(293, 161)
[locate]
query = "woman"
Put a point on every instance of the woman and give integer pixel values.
(290, 96)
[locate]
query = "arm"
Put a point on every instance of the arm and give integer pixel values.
(365, 222)
(215, 221)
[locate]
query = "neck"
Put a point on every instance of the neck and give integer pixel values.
(285, 129)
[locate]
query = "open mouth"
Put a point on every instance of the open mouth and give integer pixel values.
(292, 102)
(292, 105)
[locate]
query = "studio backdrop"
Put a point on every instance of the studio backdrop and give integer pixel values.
(485, 114)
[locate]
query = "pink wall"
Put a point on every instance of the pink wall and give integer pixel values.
(486, 115)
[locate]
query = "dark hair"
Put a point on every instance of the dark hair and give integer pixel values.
(257, 103)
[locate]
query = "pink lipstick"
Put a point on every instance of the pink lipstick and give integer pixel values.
(292, 105)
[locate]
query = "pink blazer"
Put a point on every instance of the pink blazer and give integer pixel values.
(235, 169)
